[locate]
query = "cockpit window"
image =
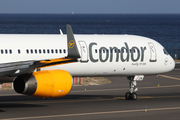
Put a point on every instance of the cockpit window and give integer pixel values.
(165, 52)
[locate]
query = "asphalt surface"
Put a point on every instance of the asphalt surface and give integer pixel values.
(102, 102)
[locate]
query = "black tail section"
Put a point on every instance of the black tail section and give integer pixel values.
(72, 46)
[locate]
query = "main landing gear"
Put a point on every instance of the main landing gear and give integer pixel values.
(131, 95)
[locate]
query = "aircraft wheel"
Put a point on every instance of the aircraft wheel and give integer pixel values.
(133, 96)
(128, 96)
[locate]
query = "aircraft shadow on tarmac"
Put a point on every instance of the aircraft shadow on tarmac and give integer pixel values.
(18, 105)
(1, 111)
(29, 101)
(24, 98)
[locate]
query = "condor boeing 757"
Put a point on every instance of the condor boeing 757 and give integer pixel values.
(43, 65)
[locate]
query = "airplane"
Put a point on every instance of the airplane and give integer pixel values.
(43, 65)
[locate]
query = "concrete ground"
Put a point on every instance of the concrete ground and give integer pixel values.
(101, 102)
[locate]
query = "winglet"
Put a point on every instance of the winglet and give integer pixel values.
(72, 46)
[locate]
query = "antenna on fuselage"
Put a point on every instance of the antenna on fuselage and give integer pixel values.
(60, 31)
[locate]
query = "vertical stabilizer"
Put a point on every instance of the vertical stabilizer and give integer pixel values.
(72, 46)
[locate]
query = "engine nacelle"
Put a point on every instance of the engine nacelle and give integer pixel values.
(48, 83)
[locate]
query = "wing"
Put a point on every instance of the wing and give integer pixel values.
(22, 67)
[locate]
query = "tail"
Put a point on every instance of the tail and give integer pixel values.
(72, 46)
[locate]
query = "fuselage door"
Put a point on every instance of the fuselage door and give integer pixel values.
(153, 55)
(84, 51)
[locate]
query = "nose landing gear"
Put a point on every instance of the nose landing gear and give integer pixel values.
(131, 95)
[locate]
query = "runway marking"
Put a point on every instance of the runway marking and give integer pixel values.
(73, 101)
(145, 97)
(126, 88)
(169, 77)
(176, 69)
(10, 94)
(102, 90)
(99, 99)
(93, 113)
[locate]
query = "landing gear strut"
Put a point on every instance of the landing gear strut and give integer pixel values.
(131, 95)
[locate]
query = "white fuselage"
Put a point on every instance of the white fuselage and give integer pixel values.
(101, 55)
(108, 55)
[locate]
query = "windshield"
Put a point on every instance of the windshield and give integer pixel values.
(165, 52)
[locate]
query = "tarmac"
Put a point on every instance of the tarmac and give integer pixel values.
(158, 99)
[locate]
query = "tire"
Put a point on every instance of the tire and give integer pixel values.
(133, 96)
(128, 96)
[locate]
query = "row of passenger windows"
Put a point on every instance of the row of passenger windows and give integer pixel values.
(44, 51)
(115, 50)
(6, 51)
(36, 51)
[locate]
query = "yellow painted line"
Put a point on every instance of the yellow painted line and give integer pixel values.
(15, 94)
(167, 86)
(146, 97)
(176, 69)
(102, 90)
(169, 77)
(73, 101)
(125, 88)
(98, 99)
(93, 113)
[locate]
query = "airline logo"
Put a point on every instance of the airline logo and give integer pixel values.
(130, 54)
(71, 44)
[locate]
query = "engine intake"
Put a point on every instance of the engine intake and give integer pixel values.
(48, 83)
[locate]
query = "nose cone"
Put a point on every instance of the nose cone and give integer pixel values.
(171, 64)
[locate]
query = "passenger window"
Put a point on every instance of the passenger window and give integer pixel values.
(31, 51)
(95, 50)
(60, 51)
(39, 51)
(27, 51)
(52, 51)
(111, 50)
(122, 50)
(19, 51)
(64, 51)
(35, 51)
(10, 51)
(44, 51)
(107, 51)
(6, 51)
(115, 50)
(119, 50)
(56, 51)
(48, 51)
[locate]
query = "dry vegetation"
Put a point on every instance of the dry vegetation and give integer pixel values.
(95, 81)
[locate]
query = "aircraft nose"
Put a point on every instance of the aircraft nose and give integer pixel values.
(172, 63)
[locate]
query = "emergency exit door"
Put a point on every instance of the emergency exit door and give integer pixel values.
(153, 55)
(84, 51)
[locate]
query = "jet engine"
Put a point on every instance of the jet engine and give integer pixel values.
(45, 84)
